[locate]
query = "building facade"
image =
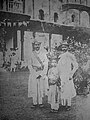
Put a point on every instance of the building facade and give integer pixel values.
(51, 10)
(61, 12)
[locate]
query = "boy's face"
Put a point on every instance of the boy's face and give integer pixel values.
(54, 63)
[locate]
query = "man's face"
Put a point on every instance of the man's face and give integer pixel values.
(63, 51)
(37, 47)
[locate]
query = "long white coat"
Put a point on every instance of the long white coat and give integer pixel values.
(43, 82)
(67, 65)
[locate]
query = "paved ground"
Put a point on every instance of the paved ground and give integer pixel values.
(15, 105)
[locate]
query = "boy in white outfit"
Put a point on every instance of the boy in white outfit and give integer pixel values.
(53, 96)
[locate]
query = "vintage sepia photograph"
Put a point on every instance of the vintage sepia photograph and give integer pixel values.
(44, 59)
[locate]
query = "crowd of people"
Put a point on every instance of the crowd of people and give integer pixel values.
(51, 77)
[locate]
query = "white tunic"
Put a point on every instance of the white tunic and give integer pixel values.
(53, 95)
(67, 66)
(32, 83)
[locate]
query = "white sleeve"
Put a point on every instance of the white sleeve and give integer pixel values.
(29, 63)
(45, 62)
(75, 64)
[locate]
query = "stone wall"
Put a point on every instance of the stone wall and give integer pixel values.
(55, 6)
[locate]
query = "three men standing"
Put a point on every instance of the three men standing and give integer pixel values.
(38, 80)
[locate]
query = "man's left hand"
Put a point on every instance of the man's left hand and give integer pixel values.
(39, 77)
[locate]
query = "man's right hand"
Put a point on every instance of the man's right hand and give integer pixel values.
(37, 68)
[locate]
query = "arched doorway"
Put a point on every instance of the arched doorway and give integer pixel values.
(84, 19)
(41, 14)
(71, 17)
(55, 17)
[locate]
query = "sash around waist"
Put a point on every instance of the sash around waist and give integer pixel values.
(37, 68)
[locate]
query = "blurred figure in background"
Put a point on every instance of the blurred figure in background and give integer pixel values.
(13, 62)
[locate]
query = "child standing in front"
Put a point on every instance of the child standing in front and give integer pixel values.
(53, 95)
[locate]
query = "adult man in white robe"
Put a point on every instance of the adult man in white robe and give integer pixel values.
(67, 65)
(38, 66)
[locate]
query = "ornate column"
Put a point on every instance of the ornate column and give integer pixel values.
(80, 17)
(49, 10)
(6, 5)
(89, 18)
(33, 8)
(50, 42)
(24, 6)
(14, 35)
(22, 45)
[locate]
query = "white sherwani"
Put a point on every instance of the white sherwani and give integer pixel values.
(36, 86)
(67, 65)
(53, 95)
